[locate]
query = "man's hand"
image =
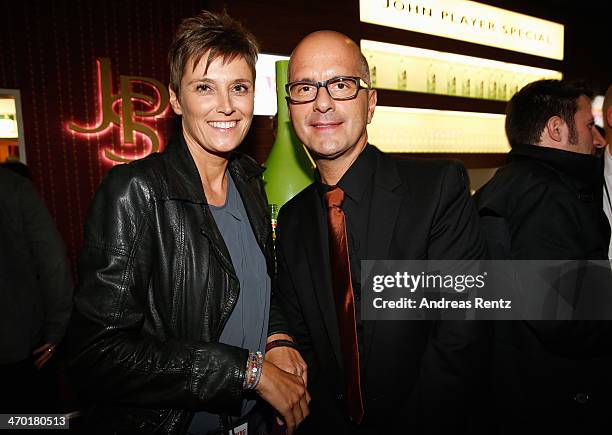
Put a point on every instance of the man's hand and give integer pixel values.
(286, 392)
(287, 358)
(43, 354)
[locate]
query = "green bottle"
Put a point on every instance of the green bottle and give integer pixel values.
(288, 168)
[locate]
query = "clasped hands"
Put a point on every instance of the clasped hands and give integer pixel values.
(43, 354)
(283, 383)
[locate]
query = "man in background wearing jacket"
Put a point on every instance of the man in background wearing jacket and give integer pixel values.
(35, 294)
(545, 204)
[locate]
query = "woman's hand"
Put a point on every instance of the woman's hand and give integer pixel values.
(286, 392)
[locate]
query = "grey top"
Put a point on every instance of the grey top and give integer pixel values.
(247, 326)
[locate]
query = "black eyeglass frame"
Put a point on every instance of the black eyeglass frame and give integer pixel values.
(361, 84)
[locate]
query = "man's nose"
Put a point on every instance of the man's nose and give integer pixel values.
(598, 139)
(323, 102)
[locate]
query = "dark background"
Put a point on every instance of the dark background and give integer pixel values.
(48, 51)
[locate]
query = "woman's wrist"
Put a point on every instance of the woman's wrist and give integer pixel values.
(253, 370)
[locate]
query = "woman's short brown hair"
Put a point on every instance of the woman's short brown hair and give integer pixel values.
(214, 33)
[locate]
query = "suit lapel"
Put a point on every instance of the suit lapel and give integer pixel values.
(315, 240)
(384, 209)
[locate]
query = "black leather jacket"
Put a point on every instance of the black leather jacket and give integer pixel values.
(156, 288)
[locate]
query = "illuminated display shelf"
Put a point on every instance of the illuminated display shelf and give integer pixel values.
(403, 68)
(447, 93)
(412, 130)
(12, 143)
(8, 123)
(440, 102)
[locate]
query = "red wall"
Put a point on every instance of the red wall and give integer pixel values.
(48, 50)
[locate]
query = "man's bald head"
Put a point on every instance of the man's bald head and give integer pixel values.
(332, 42)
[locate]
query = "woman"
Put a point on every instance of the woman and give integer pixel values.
(177, 246)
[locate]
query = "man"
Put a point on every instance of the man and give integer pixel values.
(35, 294)
(545, 204)
(607, 121)
(368, 376)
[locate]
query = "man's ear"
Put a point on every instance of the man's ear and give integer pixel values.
(608, 117)
(174, 101)
(555, 128)
(372, 100)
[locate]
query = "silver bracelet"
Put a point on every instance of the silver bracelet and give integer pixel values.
(253, 371)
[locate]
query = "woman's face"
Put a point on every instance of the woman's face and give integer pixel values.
(216, 105)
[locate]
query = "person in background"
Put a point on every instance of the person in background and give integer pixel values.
(17, 167)
(174, 307)
(545, 204)
(35, 295)
(607, 156)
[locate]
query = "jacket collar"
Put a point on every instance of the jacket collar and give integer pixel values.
(183, 181)
(184, 184)
(584, 168)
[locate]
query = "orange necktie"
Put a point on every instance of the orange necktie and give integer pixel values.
(345, 303)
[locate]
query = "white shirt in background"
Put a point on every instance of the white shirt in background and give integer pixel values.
(607, 200)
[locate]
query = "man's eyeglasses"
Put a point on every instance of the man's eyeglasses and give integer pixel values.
(339, 88)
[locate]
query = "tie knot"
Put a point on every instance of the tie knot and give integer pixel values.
(334, 197)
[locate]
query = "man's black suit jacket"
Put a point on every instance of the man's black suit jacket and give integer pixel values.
(412, 371)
